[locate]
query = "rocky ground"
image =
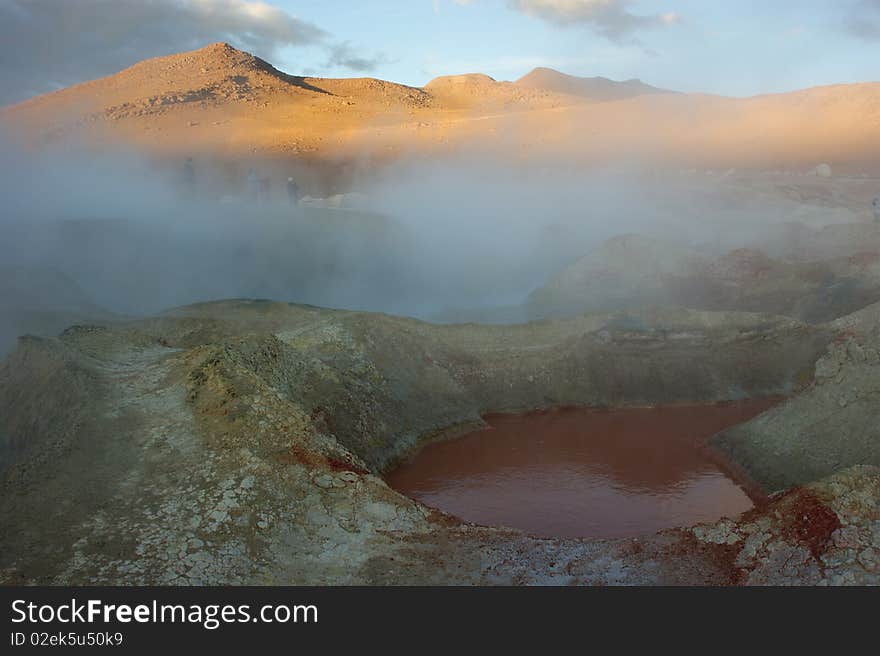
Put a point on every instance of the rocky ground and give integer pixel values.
(244, 441)
(35, 300)
(631, 271)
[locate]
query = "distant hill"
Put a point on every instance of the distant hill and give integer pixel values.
(473, 90)
(593, 88)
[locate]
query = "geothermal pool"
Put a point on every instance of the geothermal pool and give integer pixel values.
(579, 472)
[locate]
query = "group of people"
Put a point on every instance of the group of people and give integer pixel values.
(258, 189)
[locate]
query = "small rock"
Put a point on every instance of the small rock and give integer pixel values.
(721, 533)
(870, 559)
(855, 351)
(324, 481)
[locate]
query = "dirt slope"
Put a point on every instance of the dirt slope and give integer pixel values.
(835, 422)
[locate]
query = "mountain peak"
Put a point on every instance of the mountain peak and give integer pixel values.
(218, 46)
(466, 79)
(593, 88)
(214, 56)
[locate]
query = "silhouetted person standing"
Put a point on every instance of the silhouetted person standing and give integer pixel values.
(189, 177)
(876, 206)
(253, 186)
(292, 192)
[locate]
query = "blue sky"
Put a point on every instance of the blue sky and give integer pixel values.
(731, 47)
(739, 47)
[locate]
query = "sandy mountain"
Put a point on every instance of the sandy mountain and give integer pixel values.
(224, 103)
(214, 98)
(592, 88)
(214, 74)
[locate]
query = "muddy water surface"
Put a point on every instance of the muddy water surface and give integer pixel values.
(579, 472)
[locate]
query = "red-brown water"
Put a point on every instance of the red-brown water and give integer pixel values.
(577, 472)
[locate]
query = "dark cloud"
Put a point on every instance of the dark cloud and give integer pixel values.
(864, 20)
(345, 56)
(609, 18)
(48, 44)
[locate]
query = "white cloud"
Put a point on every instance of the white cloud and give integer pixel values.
(610, 18)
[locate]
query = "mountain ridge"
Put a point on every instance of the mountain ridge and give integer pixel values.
(224, 101)
(595, 88)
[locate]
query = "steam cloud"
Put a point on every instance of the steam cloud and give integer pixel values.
(98, 237)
